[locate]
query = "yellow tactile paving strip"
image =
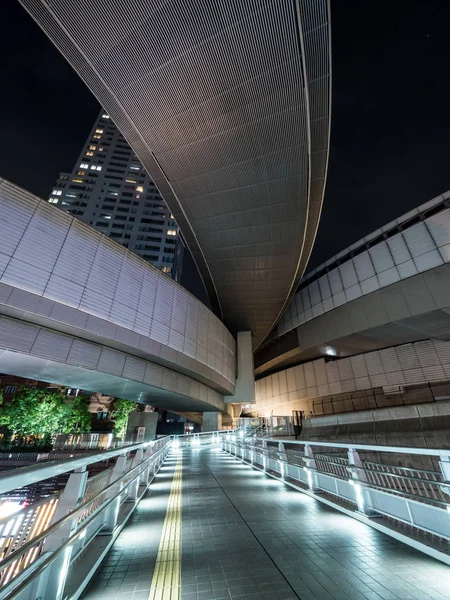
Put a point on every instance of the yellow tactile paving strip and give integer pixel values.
(166, 579)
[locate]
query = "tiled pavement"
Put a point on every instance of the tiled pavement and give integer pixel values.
(126, 573)
(248, 537)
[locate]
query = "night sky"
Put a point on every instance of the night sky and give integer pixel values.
(390, 138)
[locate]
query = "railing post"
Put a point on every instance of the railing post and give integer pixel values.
(145, 475)
(283, 460)
(152, 464)
(112, 512)
(134, 491)
(311, 468)
(252, 451)
(444, 464)
(265, 455)
(358, 477)
(239, 449)
(50, 584)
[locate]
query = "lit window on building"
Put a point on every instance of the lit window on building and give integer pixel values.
(92, 147)
(139, 188)
(105, 116)
(96, 136)
(95, 168)
(99, 131)
(130, 180)
(106, 216)
(84, 166)
(53, 200)
(89, 154)
(79, 180)
(171, 232)
(81, 172)
(57, 192)
(166, 269)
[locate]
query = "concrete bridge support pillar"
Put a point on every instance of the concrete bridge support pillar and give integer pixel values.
(244, 392)
(212, 421)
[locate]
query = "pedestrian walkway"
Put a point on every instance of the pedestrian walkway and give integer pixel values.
(246, 536)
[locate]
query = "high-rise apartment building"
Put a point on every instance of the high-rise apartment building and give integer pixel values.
(110, 190)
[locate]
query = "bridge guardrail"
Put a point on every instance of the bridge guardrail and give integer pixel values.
(39, 542)
(363, 481)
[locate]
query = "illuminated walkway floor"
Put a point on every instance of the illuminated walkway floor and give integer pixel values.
(246, 536)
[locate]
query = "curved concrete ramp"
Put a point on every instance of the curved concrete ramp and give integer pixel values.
(71, 296)
(391, 287)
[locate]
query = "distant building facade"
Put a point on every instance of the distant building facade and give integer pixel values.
(10, 385)
(109, 189)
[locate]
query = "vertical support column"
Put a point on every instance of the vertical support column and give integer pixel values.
(50, 584)
(244, 391)
(212, 421)
(359, 477)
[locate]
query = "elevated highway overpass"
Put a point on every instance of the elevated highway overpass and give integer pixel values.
(390, 288)
(227, 105)
(81, 310)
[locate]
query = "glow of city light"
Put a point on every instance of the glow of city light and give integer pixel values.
(359, 495)
(64, 569)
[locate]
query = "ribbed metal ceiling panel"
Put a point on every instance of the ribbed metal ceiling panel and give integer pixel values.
(227, 104)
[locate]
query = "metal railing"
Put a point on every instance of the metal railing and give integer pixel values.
(363, 481)
(39, 542)
(270, 426)
(18, 529)
(200, 439)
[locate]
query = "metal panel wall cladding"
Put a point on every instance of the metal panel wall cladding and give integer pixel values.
(417, 248)
(28, 350)
(58, 268)
(227, 105)
(416, 363)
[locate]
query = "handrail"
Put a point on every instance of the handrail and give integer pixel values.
(54, 555)
(70, 515)
(35, 569)
(24, 476)
(419, 498)
(364, 447)
(191, 435)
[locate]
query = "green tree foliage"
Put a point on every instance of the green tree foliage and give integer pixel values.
(35, 414)
(80, 416)
(121, 408)
(3, 429)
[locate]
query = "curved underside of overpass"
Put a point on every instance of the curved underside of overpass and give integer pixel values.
(407, 311)
(34, 352)
(81, 310)
(390, 288)
(227, 106)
